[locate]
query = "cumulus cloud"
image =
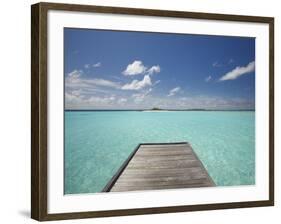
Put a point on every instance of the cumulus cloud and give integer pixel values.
(174, 91)
(208, 78)
(87, 66)
(238, 71)
(96, 65)
(154, 69)
(137, 85)
(135, 68)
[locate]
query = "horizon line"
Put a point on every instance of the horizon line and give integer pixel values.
(159, 110)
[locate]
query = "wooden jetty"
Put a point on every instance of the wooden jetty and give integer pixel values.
(154, 166)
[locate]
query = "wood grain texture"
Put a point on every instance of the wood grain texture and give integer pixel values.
(39, 118)
(163, 166)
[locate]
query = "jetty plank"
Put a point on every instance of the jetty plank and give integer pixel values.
(160, 166)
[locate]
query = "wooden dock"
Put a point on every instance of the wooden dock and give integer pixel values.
(160, 166)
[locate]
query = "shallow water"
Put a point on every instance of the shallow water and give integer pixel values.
(98, 142)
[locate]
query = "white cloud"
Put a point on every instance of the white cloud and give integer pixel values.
(76, 92)
(103, 82)
(96, 65)
(174, 91)
(208, 79)
(154, 69)
(189, 102)
(217, 64)
(75, 74)
(144, 100)
(139, 97)
(135, 68)
(238, 71)
(96, 100)
(70, 97)
(223, 64)
(73, 98)
(213, 102)
(137, 85)
(156, 83)
(74, 80)
(87, 66)
(122, 101)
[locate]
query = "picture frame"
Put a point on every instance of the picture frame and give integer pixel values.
(41, 162)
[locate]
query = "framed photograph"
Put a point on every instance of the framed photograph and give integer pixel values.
(139, 111)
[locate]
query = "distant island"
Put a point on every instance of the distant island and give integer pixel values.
(159, 109)
(156, 108)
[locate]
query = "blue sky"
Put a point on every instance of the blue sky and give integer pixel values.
(139, 70)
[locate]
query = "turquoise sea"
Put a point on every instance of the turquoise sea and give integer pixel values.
(98, 142)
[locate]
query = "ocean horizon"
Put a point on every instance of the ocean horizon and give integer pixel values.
(69, 110)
